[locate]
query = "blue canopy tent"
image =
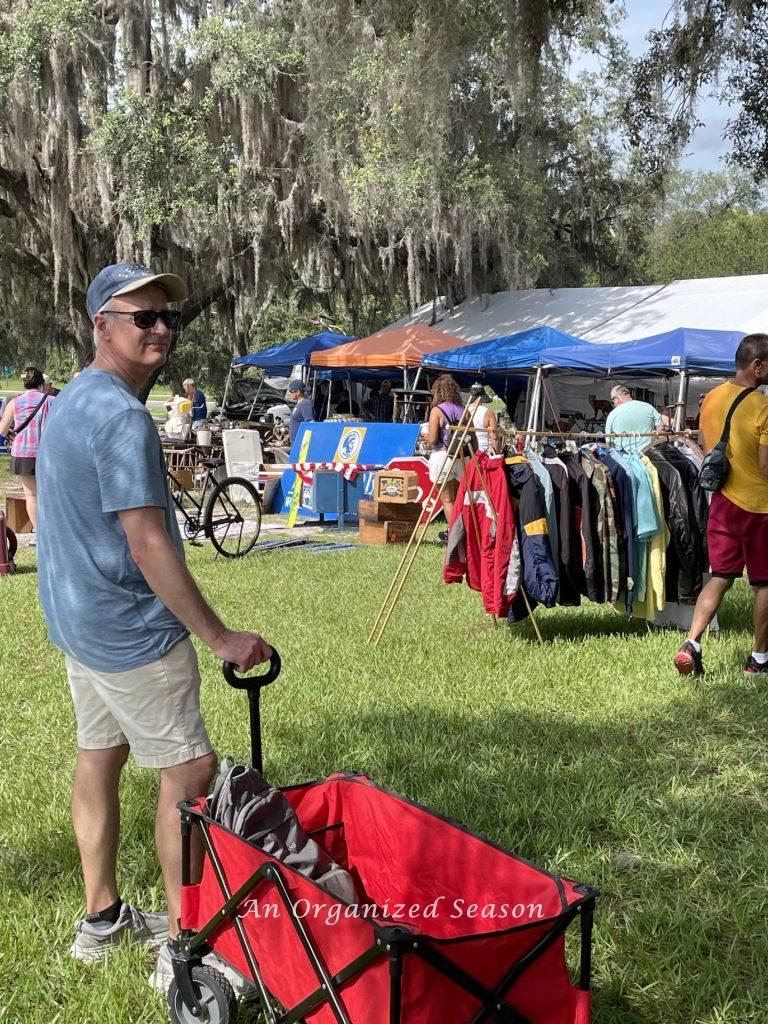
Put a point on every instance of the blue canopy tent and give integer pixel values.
(519, 352)
(281, 359)
(524, 351)
(685, 350)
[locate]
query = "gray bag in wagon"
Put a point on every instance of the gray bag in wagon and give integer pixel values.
(245, 804)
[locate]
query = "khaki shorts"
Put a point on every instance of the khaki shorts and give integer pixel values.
(155, 708)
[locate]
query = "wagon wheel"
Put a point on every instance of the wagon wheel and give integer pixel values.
(213, 991)
(12, 542)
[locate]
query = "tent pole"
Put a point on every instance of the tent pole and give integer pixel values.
(682, 401)
(226, 388)
(258, 392)
(534, 409)
(410, 397)
(527, 403)
(349, 390)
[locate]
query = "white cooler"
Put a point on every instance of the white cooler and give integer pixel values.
(243, 455)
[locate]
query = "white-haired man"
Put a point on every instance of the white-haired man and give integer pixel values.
(197, 398)
(120, 602)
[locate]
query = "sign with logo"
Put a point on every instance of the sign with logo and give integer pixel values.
(350, 443)
(374, 443)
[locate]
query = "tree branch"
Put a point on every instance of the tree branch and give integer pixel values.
(30, 264)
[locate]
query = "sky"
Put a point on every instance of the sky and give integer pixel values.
(707, 145)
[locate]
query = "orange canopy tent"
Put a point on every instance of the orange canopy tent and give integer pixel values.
(400, 346)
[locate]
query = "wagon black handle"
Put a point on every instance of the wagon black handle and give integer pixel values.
(253, 682)
(254, 685)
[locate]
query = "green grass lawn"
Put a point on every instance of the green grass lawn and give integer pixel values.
(588, 757)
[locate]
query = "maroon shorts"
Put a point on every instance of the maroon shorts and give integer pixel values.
(736, 539)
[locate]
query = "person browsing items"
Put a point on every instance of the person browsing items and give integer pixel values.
(382, 404)
(26, 415)
(630, 416)
(197, 398)
(346, 406)
(737, 529)
(484, 421)
(120, 602)
(447, 411)
(302, 411)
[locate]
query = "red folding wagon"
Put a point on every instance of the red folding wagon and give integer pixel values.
(449, 927)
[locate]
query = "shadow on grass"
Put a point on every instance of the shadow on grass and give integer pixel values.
(590, 620)
(23, 570)
(561, 624)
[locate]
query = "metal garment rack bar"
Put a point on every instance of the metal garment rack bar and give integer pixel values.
(682, 435)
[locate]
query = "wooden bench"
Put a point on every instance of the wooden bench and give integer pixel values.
(16, 512)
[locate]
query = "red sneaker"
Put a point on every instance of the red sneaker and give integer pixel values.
(754, 668)
(688, 660)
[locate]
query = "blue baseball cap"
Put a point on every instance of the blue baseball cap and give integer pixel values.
(297, 385)
(123, 278)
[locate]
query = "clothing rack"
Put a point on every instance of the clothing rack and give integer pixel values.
(624, 555)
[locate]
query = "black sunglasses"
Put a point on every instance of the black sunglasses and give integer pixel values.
(145, 319)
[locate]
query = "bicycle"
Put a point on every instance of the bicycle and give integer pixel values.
(230, 517)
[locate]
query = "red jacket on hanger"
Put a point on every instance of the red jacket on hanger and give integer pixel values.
(483, 559)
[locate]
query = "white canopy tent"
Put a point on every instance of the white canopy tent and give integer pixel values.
(608, 314)
(605, 315)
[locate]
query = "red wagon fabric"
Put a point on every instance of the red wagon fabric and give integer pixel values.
(448, 928)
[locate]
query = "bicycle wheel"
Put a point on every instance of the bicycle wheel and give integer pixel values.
(233, 517)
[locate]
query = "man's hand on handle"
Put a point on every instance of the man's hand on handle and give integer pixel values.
(243, 649)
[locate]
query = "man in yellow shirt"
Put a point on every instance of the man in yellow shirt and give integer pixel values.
(737, 532)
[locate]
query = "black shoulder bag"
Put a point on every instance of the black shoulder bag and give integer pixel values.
(13, 434)
(715, 467)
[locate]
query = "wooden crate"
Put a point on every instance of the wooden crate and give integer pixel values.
(396, 485)
(380, 511)
(16, 513)
(389, 532)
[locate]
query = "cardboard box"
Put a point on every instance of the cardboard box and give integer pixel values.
(389, 532)
(380, 511)
(16, 517)
(396, 485)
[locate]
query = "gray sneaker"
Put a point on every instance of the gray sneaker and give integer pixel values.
(162, 976)
(94, 939)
